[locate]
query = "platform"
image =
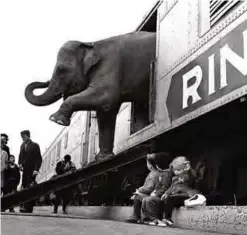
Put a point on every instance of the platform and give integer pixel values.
(33, 225)
(218, 219)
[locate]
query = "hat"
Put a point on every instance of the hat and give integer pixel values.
(25, 132)
(5, 135)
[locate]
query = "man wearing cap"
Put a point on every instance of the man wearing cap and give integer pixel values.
(4, 142)
(63, 167)
(29, 162)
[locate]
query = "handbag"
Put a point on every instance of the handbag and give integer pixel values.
(196, 200)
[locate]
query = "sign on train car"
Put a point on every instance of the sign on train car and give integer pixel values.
(218, 71)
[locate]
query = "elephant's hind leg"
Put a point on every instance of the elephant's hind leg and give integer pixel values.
(106, 125)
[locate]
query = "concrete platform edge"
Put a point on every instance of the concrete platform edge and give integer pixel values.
(220, 219)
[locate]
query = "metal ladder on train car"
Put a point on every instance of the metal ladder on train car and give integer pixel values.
(74, 178)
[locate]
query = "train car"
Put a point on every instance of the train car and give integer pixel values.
(198, 87)
(71, 140)
(197, 95)
(80, 140)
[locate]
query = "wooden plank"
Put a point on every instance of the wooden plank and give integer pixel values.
(74, 178)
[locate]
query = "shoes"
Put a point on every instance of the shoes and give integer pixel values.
(133, 220)
(65, 212)
(153, 223)
(11, 210)
(196, 200)
(145, 220)
(168, 222)
(160, 223)
(54, 212)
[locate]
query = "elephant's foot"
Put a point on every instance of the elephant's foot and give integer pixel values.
(60, 119)
(63, 115)
(104, 156)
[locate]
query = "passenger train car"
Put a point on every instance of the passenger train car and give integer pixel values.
(80, 140)
(197, 104)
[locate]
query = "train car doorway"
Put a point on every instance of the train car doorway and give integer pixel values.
(143, 114)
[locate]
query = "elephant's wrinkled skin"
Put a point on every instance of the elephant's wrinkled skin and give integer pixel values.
(98, 76)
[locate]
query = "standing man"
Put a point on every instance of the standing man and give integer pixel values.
(4, 142)
(64, 167)
(29, 162)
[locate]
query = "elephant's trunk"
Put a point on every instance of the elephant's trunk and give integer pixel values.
(48, 97)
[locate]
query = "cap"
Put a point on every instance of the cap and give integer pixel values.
(25, 132)
(5, 135)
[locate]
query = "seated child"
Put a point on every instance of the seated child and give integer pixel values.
(182, 186)
(152, 208)
(144, 191)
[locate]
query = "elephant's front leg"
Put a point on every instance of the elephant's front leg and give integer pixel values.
(86, 100)
(106, 125)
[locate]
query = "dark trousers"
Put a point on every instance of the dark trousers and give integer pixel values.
(64, 196)
(137, 207)
(10, 187)
(27, 181)
(152, 208)
(170, 203)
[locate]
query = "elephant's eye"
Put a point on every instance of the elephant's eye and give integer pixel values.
(62, 70)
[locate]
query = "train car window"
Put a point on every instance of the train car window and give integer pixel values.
(53, 156)
(49, 160)
(218, 9)
(58, 150)
(45, 164)
(66, 139)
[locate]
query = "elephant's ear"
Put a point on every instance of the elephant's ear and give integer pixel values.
(91, 56)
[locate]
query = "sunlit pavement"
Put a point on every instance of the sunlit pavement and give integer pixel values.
(33, 225)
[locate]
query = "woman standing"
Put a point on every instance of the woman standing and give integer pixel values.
(4, 160)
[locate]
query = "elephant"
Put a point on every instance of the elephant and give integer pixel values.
(98, 76)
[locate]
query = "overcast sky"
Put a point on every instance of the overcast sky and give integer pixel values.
(31, 34)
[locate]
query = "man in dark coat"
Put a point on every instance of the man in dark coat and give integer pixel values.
(63, 167)
(29, 162)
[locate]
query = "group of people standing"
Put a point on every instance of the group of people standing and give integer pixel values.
(10, 174)
(165, 189)
(29, 163)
